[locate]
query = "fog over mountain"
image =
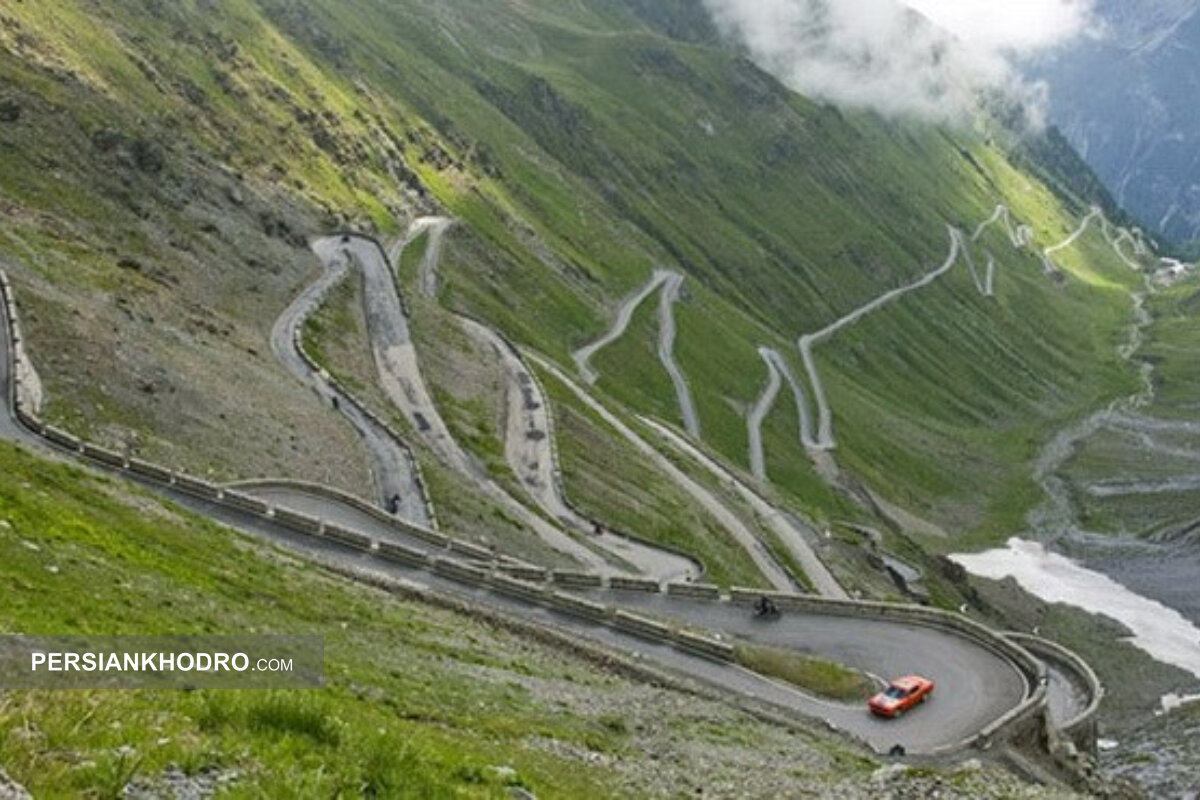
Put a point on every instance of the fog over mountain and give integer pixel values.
(925, 58)
(1141, 132)
(1119, 77)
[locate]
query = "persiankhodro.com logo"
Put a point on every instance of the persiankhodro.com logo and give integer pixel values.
(155, 662)
(169, 662)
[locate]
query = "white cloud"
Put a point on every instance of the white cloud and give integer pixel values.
(884, 55)
(1019, 26)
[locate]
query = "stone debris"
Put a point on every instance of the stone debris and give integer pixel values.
(11, 790)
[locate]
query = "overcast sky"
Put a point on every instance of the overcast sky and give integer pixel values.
(872, 54)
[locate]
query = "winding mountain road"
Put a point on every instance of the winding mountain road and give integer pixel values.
(436, 227)
(824, 439)
(1020, 236)
(529, 434)
(767, 565)
(777, 367)
(759, 411)
(671, 284)
(666, 353)
(400, 377)
(393, 467)
(977, 686)
(529, 450)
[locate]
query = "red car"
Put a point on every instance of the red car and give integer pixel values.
(901, 695)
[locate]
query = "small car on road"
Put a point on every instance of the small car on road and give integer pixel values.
(901, 695)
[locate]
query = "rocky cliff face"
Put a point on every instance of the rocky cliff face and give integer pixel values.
(1126, 99)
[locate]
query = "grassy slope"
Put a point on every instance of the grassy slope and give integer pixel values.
(788, 215)
(418, 702)
(1109, 456)
(405, 710)
(581, 148)
(823, 678)
(609, 480)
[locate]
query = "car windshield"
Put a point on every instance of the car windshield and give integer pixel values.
(895, 692)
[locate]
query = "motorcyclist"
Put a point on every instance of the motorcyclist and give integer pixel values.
(765, 607)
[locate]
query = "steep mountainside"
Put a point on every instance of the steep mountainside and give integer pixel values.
(165, 162)
(1140, 133)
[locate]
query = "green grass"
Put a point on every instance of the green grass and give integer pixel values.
(1171, 347)
(610, 481)
(1174, 345)
(404, 711)
(815, 675)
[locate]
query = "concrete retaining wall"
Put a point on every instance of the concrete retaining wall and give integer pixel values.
(459, 571)
(104, 456)
(578, 607)
(302, 523)
(576, 580)
(24, 391)
(350, 538)
(519, 589)
(152, 471)
(461, 548)
(624, 584)
(11, 354)
(703, 591)
(641, 626)
(523, 573)
(197, 487)
(438, 540)
(403, 555)
(245, 502)
(61, 438)
(25, 416)
(1083, 730)
(703, 646)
